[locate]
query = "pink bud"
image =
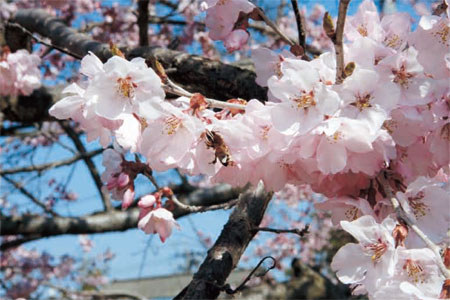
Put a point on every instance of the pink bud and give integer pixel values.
(123, 180)
(147, 201)
(128, 198)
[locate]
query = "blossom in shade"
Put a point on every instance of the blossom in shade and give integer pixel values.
(19, 73)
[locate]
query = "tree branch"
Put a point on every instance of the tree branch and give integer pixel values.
(101, 222)
(142, 22)
(211, 78)
(29, 195)
(52, 165)
(299, 232)
(300, 29)
(89, 163)
(233, 240)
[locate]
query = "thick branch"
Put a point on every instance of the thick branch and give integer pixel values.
(233, 240)
(106, 221)
(211, 78)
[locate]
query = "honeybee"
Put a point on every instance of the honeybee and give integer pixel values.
(222, 153)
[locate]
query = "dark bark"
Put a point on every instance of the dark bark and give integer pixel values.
(224, 256)
(27, 109)
(143, 22)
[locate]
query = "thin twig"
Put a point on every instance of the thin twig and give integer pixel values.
(41, 41)
(300, 232)
(231, 291)
(274, 27)
(338, 42)
(55, 164)
(89, 163)
(29, 195)
(401, 214)
(300, 28)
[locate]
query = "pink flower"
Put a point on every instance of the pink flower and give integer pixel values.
(268, 63)
(222, 16)
(416, 276)
(167, 140)
(365, 23)
(158, 221)
(432, 41)
(346, 208)
(405, 71)
(122, 86)
(427, 203)
(305, 99)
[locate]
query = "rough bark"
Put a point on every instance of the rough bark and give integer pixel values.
(233, 240)
(116, 220)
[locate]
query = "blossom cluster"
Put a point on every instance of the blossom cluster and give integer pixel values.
(19, 72)
(391, 112)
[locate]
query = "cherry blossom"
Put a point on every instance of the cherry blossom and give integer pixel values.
(305, 101)
(222, 16)
(155, 220)
(416, 276)
(427, 203)
(373, 259)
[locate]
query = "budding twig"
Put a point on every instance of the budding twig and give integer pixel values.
(401, 214)
(171, 87)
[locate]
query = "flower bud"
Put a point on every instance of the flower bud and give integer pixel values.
(400, 233)
(167, 191)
